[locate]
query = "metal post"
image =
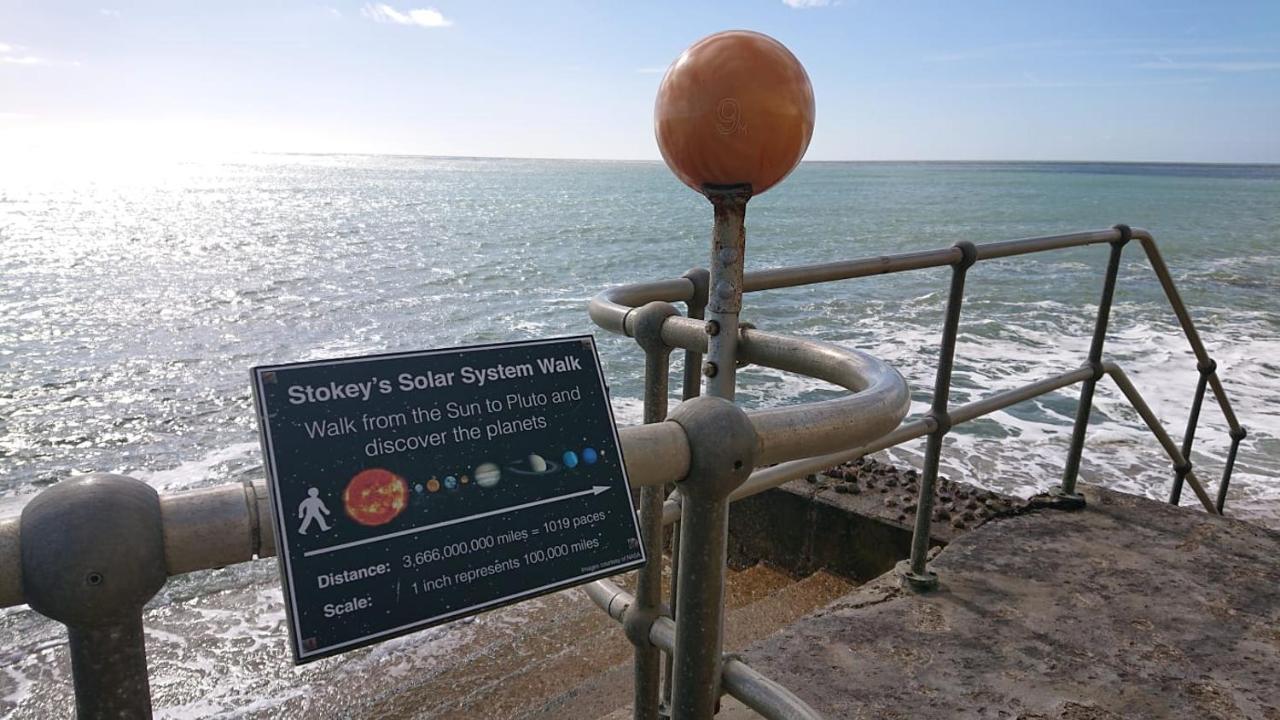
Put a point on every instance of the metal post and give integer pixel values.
(723, 447)
(647, 606)
(726, 445)
(1085, 407)
(92, 555)
(692, 388)
(1236, 436)
(1189, 436)
(724, 301)
(917, 575)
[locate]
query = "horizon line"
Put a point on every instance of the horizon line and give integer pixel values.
(431, 156)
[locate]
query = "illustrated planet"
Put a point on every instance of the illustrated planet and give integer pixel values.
(535, 464)
(570, 459)
(589, 456)
(375, 497)
(487, 475)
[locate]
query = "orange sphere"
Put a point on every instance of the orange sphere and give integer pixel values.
(736, 107)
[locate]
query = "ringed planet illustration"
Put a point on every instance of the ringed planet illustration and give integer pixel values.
(375, 497)
(534, 464)
(487, 475)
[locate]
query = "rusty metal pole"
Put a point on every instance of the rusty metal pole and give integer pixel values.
(724, 292)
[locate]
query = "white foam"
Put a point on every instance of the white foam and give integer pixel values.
(195, 472)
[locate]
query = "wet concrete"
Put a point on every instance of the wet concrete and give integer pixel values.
(1129, 608)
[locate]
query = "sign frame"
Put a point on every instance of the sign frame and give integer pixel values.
(282, 526)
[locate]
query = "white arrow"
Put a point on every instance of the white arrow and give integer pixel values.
(595, 490)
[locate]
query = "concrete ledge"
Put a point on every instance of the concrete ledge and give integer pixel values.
(1129, 608)
(855, 520)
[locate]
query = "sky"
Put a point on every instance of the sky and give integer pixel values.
(1141, 80)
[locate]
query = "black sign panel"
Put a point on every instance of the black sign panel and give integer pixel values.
(416, 488)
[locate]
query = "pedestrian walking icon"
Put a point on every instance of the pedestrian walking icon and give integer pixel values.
(310, 509)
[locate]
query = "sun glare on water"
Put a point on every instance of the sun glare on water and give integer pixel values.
(36, 155)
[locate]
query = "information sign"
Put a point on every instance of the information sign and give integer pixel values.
(416, 488)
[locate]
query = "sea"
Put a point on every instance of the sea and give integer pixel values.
(135, 298)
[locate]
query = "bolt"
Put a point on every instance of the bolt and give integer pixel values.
(713, 328)
(93, 579)
(709, 369)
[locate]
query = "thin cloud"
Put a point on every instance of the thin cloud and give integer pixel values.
(1049, 84)
(1219, 67)
(421, 17)
(22, 60)
(9, 116)
(806, 4)
(7, 48)
(108, 12)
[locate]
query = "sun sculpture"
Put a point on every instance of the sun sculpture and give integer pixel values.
(736, 108)
(733, 117)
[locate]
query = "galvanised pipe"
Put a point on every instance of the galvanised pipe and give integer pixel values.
(723, 445)
(1184, 320)
(773, 476)
(692, 388)
(1236, 437)
(218, 526)
(648, 661)
(1189, 436)
(724, 291)
(10, 562)
(609, 308)
(1085, 406)
(879, 402)
(916, 574)
(738, 679)
(1135, 399)
(775, 278)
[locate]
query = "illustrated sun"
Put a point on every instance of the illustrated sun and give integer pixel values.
(375, 497)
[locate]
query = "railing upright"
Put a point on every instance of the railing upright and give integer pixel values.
(916, 573)
(1189, 436)
(1085, 407)
(692, 387)
(648, 600)
(1237, 434)
(704, 527)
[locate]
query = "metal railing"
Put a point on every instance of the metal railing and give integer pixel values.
(90, 551)
(644, 312)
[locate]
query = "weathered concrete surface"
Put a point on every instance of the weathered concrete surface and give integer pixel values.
(1129, 608)
(855, 519)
